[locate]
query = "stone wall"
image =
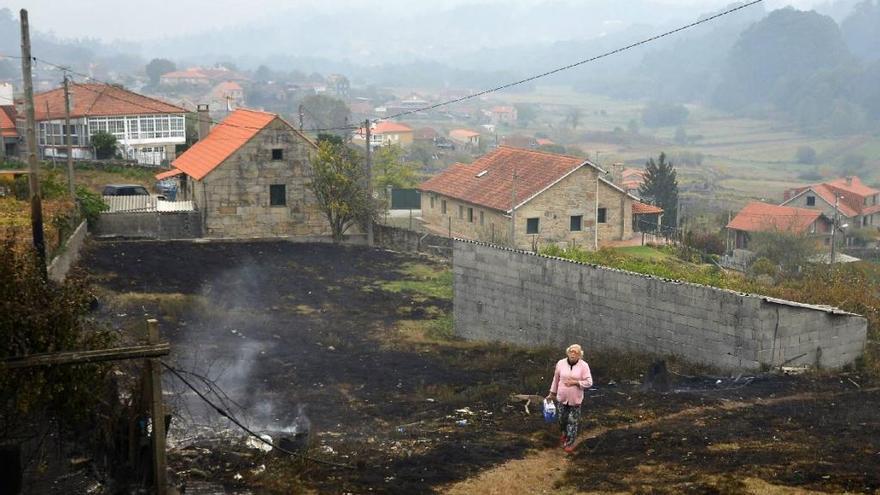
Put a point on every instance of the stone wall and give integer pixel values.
(575, 195)
(519, 297)
(149, 225)
(60, 265)
(409, 241)
(234, 197)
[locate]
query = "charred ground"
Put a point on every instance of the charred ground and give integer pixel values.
(362, 340)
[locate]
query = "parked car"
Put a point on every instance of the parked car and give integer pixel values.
(125, 190)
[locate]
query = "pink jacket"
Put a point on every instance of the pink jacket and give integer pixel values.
(571, 395)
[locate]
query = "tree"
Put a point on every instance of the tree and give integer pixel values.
(339, 183)
(324, 112)
(157, 67)
(790, 251)
(525, 113)
(632, 127)
(391, 169)
(263, 74)
(657, 114)
(661, 186)
(104, 144)
(573, 117)
(806, 155)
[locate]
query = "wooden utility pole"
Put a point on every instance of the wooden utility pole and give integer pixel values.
(71, 186)
(157, 411)
(31, 135)
(513, 210)
(369, 164)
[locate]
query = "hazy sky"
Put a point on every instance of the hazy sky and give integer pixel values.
(135, 20)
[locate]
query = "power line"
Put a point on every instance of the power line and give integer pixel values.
(226, 414)
(576, 64)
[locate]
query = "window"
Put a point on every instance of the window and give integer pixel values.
(277, 154)
(460, 211)
(532, 225)
(481, 217)
(432, 201)
(811, 200)
(443, 206)
(277, 195)
(576, 223)
(602, 215)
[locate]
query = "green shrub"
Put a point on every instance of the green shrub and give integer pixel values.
(91, 204)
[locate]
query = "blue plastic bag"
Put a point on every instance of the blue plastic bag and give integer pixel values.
(549, 411)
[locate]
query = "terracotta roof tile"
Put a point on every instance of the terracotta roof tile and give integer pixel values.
(168, 174)
(7, 121)
(386, 127)
(462, 134)
(223, 140)
(536, 170)
(96, 100)
(852, 192)
(763, 217)
(639, 208)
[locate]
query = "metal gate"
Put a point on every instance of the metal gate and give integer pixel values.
(406, 199)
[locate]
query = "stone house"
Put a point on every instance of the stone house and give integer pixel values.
(248, 178)
(856, 204)
(385, 133)
(535, 197)
(763, 217)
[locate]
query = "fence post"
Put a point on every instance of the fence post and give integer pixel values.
(157, 412)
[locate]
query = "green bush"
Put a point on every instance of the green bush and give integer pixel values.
(91, 204)
(104, 144)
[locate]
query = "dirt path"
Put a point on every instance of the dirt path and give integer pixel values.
(541, 471)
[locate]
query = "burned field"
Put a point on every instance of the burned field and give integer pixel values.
(355, 347)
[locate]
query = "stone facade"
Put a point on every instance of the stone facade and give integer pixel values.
(575, 195)
(234, 198)
(828, 210)
(523, 298)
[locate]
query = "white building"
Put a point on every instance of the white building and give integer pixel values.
(146, 129)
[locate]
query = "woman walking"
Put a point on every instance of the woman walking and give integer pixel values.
(571, 378)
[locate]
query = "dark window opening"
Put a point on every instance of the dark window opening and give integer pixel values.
(811, 200)
(471, 215)
(602, 214)
(443, 206)
(277, 195)
(532, 225)
(481, 217)
(277, 154)
(460, 211)
(576, 223)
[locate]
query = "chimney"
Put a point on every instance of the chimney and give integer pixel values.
(849, 180)
(617, 173)
(204, 121)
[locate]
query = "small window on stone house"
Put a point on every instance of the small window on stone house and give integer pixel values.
(532, 225)
(432, 202)
(277, 154)
(443, 206)
(460, 211)
(576, 223)
(470, 215)
(481, 217)
(811, 200)
(277, 195)
(603, 213)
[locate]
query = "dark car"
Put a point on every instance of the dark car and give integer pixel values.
(125, 190)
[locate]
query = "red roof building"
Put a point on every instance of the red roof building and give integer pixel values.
(763, 217)
(8, 132)
(385, 133)
(554, 198)
(846, 197)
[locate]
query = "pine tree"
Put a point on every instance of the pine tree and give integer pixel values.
(661, 188)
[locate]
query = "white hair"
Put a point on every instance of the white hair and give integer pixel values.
(575, 347)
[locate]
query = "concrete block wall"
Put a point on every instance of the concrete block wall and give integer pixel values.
(409, 241)
(519, 297)
(150, 225)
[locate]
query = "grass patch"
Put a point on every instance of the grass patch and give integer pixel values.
(644, 252)
(422, 280)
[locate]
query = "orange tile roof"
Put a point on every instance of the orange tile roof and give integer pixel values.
(544, 141)
(223, 140)
(186, 74)
(535, 170)
(639, 208)
(7, 121)
(97, 100)
(386, 127)
(463, 134)
(763, 217)
(851, 191)
(168, 174)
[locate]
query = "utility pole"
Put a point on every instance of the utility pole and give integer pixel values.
(301, 117)
(369, 165)
(31, 134)
(70, 183)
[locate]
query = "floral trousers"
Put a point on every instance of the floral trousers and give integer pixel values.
(568, 421)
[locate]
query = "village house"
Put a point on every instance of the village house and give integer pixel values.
(632, 180)
(9, 138)
(197, 76)
(502, 115)
(227, 95)
(763, 217)
(147, 130)
(856, 204)
(553, 199)
(465, 139)
(385, 133)
(248, 178)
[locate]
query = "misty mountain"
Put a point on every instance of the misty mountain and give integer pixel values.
(861, 30)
